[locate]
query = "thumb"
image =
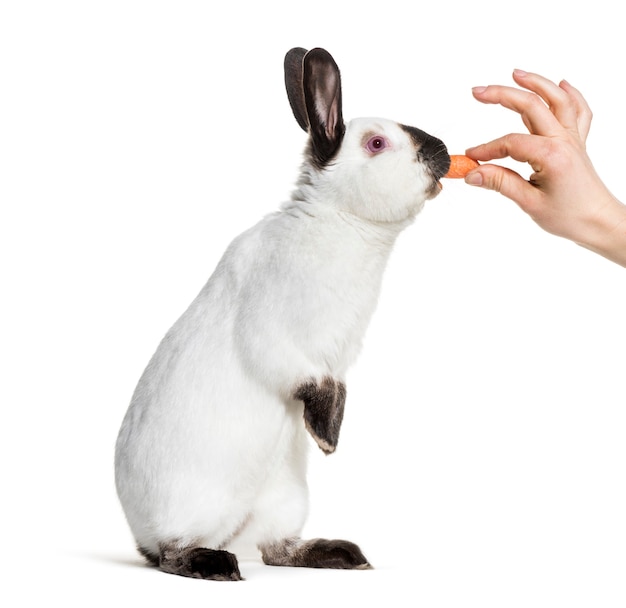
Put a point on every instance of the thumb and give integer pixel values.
(505, 181)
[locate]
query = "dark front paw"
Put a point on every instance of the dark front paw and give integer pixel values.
(323, 410)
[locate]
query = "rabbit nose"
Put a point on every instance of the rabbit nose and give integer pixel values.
(430, 150)
(435, 154)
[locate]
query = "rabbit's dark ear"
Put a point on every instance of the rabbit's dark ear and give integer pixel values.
(322, 95)
(294, 62)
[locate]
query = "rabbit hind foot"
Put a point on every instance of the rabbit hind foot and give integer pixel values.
(315, 553)
(195, 562)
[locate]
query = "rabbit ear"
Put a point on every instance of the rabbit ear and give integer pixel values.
(322, 95)
(314, 90)
(294, 60)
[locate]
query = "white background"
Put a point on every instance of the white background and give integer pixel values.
(482, 458)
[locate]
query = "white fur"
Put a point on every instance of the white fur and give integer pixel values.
(213, 444)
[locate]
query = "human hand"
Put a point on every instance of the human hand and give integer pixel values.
(564, 195)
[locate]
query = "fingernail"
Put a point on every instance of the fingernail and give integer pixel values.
(479, 90)
(520, 73)
(474, 179)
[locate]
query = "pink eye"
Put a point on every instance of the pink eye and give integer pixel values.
(376, 144)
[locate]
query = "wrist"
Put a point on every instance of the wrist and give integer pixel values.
(607, 232)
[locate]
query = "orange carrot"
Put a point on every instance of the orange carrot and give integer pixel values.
(460, 166)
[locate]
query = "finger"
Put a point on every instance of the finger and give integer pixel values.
(521, 147)
(505, 181)
(559, 102)
(583, 110)
(535, 114)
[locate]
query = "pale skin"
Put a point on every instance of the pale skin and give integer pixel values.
(564, 195)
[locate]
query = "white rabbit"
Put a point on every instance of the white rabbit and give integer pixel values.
(213, 447)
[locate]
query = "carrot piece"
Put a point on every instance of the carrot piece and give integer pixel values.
(460, 166)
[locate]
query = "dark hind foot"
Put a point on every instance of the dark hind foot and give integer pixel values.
(316, 553)
(198, 562)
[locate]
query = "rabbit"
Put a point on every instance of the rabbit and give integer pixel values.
(213, 448)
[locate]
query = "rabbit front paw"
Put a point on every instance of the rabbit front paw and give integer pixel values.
(323, 410)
